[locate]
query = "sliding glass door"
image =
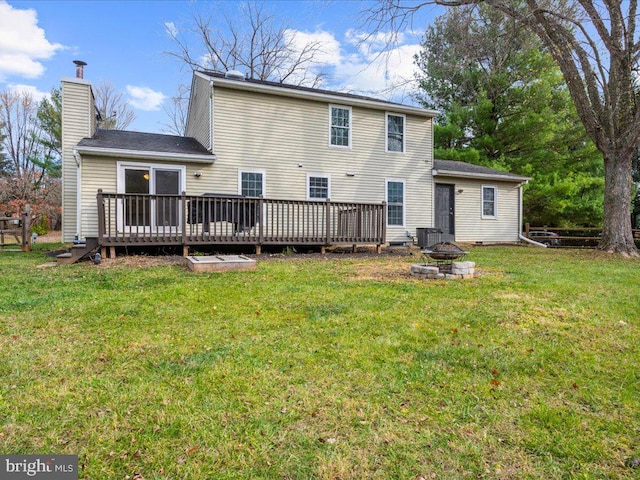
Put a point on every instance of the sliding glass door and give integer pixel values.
(152, 201)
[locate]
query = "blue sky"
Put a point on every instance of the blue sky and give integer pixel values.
(123, 43)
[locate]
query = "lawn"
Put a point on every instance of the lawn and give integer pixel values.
(335, 368)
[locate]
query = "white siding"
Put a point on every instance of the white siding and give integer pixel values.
(289, 138)
(198, 125)
(469, 224)
(102, 173)
(78, 121)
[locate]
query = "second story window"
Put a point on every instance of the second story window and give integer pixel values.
(395, 133)
(340, 131)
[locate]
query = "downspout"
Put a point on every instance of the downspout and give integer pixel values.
(520, 235)
(211, 116)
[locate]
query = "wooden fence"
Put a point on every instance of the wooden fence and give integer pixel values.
(141, 219)
(575, 237)
(16, 232)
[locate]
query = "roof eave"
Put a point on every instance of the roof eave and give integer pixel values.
(146, 155)
(320, 96)
(479, 176)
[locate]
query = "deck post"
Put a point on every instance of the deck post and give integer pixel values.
(328, 222)
(112, 251)
(260, 213)
(101, 218)
(383, 223)
(183, 206)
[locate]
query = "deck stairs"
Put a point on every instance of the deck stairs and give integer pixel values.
(78, 252)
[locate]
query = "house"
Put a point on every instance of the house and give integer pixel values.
(268, 163)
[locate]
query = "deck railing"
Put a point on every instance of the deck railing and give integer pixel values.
(134, 219)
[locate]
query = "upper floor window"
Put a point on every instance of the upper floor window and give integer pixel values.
(251, 183)
(318, 187)
(340, 130)
(489, 202)
(395, 132)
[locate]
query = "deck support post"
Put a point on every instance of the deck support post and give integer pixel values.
(378, 249)
(354, 248)
(112, 251)
(103, 251)
(323, 250)
(185, 250)
(258, 249)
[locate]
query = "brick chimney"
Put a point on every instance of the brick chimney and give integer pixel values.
(79, 68)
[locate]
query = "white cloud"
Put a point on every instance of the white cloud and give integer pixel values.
(328, 47)
(363, 63)
(22, 43)
(145, 98)
(171, 29)
(29, 89)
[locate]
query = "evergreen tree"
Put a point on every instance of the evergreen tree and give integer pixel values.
(505, 105)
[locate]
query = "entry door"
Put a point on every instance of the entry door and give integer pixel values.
(445, 210)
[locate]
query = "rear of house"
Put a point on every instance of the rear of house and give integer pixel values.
(306, 165)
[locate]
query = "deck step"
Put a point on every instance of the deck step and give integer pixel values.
(78, 252)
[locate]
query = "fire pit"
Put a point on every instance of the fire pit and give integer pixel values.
(445, 251)
(444, 254)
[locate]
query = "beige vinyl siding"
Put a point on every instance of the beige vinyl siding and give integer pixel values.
(199, 126)
(469, 224)
(289, 138)
(102, 173)
(78, 121)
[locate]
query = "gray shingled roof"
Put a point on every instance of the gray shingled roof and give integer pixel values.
(478, 170)
(144, 142)
(302, 89)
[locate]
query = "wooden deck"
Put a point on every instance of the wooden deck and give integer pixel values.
(192, 220)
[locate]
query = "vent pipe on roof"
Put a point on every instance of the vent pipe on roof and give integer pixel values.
(234, 75)
(79, 68)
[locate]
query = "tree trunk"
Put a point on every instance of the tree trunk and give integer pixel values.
(617, 236)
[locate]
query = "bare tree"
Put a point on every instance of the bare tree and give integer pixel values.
(29, 162)
(177, 111)
(252, 42)
(21, 133)
(114, 110)
(596, 46)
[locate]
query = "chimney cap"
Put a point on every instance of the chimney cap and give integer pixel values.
(79, 63)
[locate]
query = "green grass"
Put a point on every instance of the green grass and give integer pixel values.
(333, 369)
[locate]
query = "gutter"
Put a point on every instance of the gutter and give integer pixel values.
(147, 155)
(489, 176)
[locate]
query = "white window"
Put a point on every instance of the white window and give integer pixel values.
(395, 132)
(251, 183)
(395, 203)
(318, 187)
(141, 208)
(340, 126)
(489, 202)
